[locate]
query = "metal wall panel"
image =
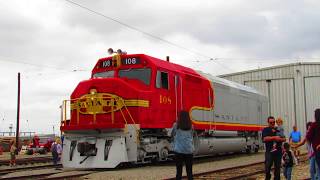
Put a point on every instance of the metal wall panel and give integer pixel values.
(280, 93)
(282, 102)
(304, 98)
(312, 94)
(261, 86)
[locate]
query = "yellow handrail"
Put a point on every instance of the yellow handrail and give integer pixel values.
(113, 101)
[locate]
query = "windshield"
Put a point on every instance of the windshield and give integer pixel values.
(143, 74)
(106, 74)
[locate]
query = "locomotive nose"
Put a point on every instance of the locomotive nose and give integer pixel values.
(103, 104)
(110, 85)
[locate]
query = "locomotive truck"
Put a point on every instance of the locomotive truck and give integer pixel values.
(125, 111)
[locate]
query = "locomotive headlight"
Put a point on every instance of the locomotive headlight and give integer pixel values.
(93, 91)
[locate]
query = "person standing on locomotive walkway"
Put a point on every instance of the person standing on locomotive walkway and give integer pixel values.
(269, 137)
(183, 144)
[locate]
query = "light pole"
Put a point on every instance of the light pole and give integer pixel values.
(18, 113)
(2, 122)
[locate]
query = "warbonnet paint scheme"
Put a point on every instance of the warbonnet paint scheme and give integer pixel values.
(125, 112)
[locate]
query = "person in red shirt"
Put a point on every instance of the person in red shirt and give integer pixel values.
(313, 136)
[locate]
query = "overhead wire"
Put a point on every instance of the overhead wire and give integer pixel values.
(146, 33)
(264, 59)
(136, 29)
(44, 66)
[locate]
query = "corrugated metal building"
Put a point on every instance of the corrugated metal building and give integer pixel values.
(293, 90)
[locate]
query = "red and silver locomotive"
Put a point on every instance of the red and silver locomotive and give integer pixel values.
(125, 112)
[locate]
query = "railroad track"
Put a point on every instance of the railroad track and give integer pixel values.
(41, 172)
(236, 172)
(32, 160)
(52, 174)
(18, 169)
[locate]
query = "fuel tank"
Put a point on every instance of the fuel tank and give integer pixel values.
(216, 145)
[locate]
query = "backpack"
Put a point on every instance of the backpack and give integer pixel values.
(287, 159)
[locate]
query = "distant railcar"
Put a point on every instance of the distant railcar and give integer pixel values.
(125, 112)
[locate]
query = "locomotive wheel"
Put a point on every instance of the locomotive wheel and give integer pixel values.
(29, 152)
(164, 153)
(43, 151)
(142, 154)
(248, 149)
(256, 149)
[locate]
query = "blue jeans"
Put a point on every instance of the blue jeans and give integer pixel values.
(317, 159)
(287, 172)
(314, 170)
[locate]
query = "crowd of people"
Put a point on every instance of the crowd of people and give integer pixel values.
(280, 153)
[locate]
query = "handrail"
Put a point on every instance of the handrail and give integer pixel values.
(94, 103)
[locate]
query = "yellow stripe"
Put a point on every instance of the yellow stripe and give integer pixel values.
(95, 103)
(217, 123)
(136, 102)
(226, 124)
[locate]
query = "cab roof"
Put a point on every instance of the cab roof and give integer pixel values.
(158, 63)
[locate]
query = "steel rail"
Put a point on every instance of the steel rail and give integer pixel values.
(18, 169)
(28, 160)
(235, 172)
(49, 175)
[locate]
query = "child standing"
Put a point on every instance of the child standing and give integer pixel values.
(56, 151)
(279, 131)
(13, 150)
(288, 160)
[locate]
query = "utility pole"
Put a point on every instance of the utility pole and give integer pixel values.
(18, 113)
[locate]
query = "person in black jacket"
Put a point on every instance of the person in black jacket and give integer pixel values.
(270, 137)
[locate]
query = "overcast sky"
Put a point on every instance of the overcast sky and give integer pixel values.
(54, 44)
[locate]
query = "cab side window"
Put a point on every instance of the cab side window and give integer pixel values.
(162, 80)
